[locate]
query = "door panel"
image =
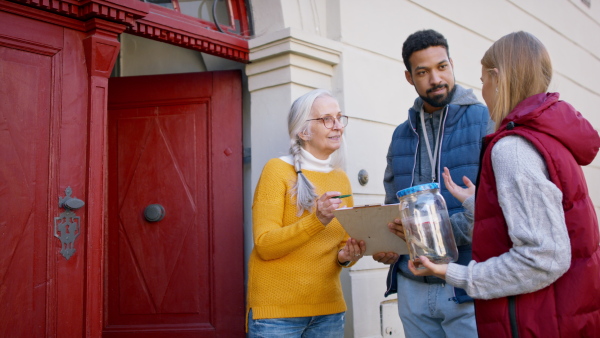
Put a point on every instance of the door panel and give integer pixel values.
(24, 143)
(149, 252)
(161, 275)
(43, 141)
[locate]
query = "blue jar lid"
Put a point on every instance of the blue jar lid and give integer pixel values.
(417, 188)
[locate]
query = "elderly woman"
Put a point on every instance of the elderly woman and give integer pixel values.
(536, 256)
(294, 288)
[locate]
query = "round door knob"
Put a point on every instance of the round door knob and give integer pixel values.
(154, 213)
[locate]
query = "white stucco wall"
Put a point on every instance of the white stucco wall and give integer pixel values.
(353, 47)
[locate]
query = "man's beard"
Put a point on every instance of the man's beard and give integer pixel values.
(439, 101)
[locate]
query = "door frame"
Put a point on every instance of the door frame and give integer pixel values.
(224, 197)
(101, 22)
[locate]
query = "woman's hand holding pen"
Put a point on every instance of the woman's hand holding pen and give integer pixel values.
(326, 204)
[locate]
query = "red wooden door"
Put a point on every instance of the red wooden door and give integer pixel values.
(43, 146)
(24, 136)
(175, 145)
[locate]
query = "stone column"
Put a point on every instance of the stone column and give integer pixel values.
(284, 65)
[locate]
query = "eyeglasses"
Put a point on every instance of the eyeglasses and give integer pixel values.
(329, 121)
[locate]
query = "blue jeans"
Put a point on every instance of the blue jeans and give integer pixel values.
(427, 311)
(327, 326)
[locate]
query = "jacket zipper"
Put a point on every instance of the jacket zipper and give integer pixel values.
(412, 179)
(391, 277)
(439, 154)
(512, 315)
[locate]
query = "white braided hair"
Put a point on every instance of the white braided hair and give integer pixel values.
(298, 123)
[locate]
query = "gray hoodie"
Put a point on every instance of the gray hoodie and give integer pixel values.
(462, 96)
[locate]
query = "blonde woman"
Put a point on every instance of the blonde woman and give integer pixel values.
(294, 288)
(536, 267)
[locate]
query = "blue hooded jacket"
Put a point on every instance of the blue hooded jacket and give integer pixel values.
(465, 122)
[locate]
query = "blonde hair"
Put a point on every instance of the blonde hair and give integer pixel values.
(298, 123)
(524, 69)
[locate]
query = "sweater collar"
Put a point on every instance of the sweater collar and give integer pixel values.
(309, 162)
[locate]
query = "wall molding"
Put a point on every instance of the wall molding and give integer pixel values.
(149, 21)
(292, 56)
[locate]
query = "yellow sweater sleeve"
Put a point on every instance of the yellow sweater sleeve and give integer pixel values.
(272, 238)
(274, 204)
(293, 269)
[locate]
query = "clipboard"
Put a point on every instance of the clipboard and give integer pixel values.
(369, 223)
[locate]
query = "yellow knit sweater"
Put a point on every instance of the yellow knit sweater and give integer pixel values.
(293, 268)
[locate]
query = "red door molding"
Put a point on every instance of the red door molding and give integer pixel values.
(153, 22)
(101, 48)
(168, 26)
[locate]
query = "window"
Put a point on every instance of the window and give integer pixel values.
(227, 16)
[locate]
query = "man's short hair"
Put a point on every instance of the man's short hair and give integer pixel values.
(420, 40)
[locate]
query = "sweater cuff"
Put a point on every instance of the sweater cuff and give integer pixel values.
(313, 225)
(350, 263)
(469, 203)
(346, 266)
(456, 275)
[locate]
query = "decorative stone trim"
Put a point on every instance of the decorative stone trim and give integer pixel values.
(295, 42)
(292, 57)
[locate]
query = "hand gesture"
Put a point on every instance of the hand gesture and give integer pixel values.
(326, 205)
(397, 229)
(424, 267)
(386, 257)
(456, 190)
(391, 257)
(352, 251)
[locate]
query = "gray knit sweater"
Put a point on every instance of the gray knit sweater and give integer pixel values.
(532, 207)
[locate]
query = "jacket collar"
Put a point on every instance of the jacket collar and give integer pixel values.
(547, 114)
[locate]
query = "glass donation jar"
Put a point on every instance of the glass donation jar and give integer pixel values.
(427, 224)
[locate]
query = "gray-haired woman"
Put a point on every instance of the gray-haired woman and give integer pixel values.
(294, 288)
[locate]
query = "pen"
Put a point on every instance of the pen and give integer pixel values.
(342, 196)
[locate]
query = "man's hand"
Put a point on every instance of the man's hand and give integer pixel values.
(386, 257)
(391, 257)
(397, 229)
(456, 190)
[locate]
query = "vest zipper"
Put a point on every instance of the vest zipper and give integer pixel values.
(512, 315)
(414, 129)
(443, 117)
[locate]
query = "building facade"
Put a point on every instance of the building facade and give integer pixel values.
(354, 49)
(159, 116)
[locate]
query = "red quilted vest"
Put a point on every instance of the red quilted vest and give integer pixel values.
(570, 307)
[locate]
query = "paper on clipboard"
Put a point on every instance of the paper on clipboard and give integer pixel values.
(369, 223)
